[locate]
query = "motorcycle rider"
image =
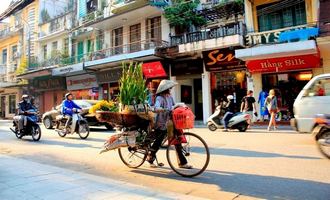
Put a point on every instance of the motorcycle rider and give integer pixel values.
(68, 108)
(23, 108)
(230, 109)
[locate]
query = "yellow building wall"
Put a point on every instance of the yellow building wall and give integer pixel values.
(311, 11)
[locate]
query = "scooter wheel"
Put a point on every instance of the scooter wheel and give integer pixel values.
(212, 127)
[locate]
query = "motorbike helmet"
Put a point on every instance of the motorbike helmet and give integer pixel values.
(25, 97)
(67, 95)
(230, 97)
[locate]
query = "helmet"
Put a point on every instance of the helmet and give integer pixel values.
(67, 95)
(24, 96)
(230, 97)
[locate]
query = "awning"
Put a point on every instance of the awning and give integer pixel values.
(277, 50)
(284, 63)
(153, 70)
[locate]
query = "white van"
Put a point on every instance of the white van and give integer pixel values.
(313, 99)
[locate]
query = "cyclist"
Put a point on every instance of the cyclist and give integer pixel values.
(68, 108)
(164, 102)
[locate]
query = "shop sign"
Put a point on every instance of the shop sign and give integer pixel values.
(109, 76)
(153, 70)
(67, 69)
(274, 36)
(222, 59)
(284, 63)
(84, 81)
(51, 83)
(187, 67)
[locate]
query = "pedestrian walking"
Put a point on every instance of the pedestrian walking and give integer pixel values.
(248, 106)
(272, 107)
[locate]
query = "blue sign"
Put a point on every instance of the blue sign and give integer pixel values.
(95, 89)
(300, 35)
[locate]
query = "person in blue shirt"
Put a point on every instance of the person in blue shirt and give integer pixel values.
(68, 108)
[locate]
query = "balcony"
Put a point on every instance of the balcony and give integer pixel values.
(222, 31)
(3, 69)
(10, 31)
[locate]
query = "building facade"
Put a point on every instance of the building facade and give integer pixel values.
(282, 51)
(18, 48)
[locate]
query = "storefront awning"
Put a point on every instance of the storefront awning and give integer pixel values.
(153, 70)
(284, 63)
(277, 50)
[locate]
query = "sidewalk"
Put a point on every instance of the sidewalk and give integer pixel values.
(23, 179)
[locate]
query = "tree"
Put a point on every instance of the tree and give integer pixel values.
(45, 17)
(22, 67)
(183, 14)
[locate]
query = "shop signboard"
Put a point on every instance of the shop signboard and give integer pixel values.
(109, 76)
(49, 83)
(222, 60)
(284, 63)
(281, 35)
(67, 69)
(85, 81)
(153, 70)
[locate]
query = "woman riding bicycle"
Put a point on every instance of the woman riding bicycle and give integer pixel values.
(164, 102)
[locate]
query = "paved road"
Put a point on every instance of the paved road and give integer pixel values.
(251, 165)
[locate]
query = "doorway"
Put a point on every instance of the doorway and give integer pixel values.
(3, 107)
(198, 99)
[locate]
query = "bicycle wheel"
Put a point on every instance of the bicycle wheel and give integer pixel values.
(132, 157)
(196, 153)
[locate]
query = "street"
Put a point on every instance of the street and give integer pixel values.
(251, 165)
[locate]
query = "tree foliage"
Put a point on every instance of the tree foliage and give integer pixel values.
(22, 67)
(183, 14)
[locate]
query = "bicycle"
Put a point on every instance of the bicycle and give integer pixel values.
(193, 147)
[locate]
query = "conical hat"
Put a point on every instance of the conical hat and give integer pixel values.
(165, 85)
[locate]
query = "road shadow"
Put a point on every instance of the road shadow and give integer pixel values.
(66, 144)
(251, 154)
(265, 187)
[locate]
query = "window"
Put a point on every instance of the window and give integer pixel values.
(117, 40)
(320, 88)
(66, 45)
(155, 29)
(280, 15)
(4, 56)
(54, 46)
(14, 55)
(12, 104)
(54, 25)
(135, 38)
(44, 48)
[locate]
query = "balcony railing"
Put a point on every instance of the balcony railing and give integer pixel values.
(222, 31)
(3, 69)
(8, 31)
(58, 61)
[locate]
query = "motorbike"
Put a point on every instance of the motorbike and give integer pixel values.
(321, 133)
(32, 127)
(78, 125)
(237, 121)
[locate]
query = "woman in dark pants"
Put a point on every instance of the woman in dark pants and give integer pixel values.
(164, 102)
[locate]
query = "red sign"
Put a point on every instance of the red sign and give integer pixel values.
(284, 63)
(153, 70)
(222, 59)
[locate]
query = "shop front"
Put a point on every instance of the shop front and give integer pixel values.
(188, 74)
(83, 86)
(48, 92)
(109, 83)
(287, 75)
(227, 74)
(9, 98)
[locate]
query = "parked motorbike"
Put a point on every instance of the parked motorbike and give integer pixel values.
(321, 133)
(32, 127)
(237, 121)
(78, 125)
